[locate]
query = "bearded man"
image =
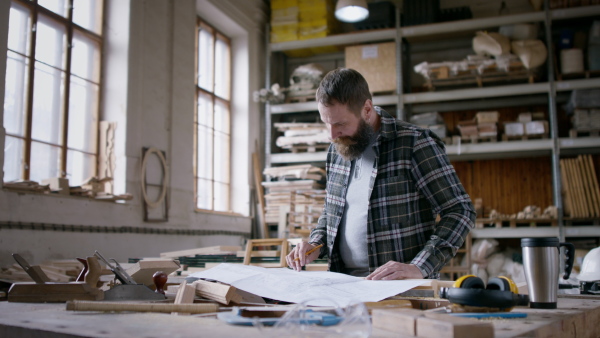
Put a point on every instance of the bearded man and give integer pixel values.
(387, 181)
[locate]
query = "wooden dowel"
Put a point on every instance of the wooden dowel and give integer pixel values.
(140, 307)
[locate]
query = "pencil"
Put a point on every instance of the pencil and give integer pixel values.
(310, 251)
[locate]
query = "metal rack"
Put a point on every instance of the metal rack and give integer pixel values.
(552, 147)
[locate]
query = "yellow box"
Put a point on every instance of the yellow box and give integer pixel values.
(288, 14)
(279, 4)
(376, 63)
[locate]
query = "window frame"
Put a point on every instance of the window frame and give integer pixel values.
(71, 29)
(216, 35)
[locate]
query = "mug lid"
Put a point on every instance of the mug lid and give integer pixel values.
(540, 242)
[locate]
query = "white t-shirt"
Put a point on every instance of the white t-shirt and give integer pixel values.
(353, 226)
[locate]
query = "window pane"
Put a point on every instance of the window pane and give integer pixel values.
(222, 117)
(205, 156)
(205, 59)
(45, 162)
(80, 167)
(13, 158)
(15, 93)
(222, 76)
(87, 14)
(205, 110)
(47, 104)
(18, 31)
(221, 157)
(85, 58)
(57, 6)
(83, 124)
(50, 42)
(204, 200)
(221, 197)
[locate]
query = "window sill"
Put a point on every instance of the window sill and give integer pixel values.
(221, 213)
(75, 197)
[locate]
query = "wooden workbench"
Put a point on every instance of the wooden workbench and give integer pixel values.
(575, 317)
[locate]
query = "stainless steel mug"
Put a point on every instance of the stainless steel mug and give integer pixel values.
(541, 261)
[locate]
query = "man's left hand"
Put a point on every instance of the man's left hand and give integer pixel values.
(394, 270)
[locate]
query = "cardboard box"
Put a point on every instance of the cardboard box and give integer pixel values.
(536, 127)
(486, 117)
(376, 62)
(514, 128)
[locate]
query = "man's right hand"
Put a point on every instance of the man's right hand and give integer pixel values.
(297, 258)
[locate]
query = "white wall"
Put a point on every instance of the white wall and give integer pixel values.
(149, 91)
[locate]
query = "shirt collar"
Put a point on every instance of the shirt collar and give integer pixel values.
(388, 123)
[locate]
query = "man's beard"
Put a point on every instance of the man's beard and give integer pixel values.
(351, 147)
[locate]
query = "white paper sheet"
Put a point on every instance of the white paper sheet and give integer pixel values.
(317, 288)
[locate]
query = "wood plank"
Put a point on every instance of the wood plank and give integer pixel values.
(185, 295)
(580, 189)
(260, 194)
(595, 190)
(578, 211)
(221, 293)
(211, 250)
(586, 186)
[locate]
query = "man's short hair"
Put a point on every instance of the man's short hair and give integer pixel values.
(345, 86)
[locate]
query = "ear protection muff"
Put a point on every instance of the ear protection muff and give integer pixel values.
(500, 293)
(469, 282)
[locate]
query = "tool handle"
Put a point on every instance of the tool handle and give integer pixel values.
(81, 276)
(140, 307)
(569, 259)
(121, 275)
(94, 271)
(160, 279)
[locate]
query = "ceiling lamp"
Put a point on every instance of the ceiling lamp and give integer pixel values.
(351, 10)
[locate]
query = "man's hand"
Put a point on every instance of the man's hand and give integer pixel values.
(394, 270)
(300, 253)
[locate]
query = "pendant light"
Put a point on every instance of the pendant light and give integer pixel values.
(351, 10)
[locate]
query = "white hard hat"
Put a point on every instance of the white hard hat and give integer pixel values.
(590, 269)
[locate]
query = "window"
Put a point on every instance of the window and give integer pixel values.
(212, 120)
(52, 89)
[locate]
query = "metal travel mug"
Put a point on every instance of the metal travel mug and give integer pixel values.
(541, 261)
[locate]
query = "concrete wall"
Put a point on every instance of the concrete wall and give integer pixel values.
(149, 91)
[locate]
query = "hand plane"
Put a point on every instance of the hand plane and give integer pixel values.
(128, 289)
(45, 291)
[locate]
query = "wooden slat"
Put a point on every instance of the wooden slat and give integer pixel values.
(568, 209)
(587, 186)
(595, 189)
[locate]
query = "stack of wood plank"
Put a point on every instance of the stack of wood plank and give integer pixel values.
(56, 270)
(581, 193)
(28, 186)
(280, 194)
(298, 137)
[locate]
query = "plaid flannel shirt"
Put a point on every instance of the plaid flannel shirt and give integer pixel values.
(412, 181)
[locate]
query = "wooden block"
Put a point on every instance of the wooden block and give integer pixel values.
(247, 297)
(185, 295)
(221, 293)
(143, 270)
(212, 250)
(444, 325)
(400, 321)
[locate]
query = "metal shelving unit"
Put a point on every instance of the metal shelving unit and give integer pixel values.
(552, 147)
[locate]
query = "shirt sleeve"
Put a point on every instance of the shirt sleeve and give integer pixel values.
(436, 179)
(319, 234)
